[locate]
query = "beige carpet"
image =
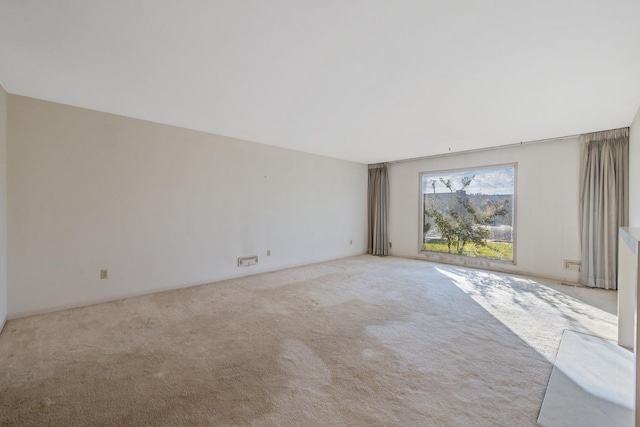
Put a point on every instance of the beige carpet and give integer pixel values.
(357, 341)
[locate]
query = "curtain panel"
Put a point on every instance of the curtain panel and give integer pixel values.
(377, 209)
(604, 202)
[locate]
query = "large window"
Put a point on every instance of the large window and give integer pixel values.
(469, 212)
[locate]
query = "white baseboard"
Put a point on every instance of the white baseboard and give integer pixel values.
(60, 307)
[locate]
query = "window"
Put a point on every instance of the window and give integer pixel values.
(469, 212)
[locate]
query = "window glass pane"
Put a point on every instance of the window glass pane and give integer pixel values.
(469, 212)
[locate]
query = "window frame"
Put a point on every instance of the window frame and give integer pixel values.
(459, 258)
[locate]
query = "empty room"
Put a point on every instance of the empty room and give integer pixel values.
(319, 213)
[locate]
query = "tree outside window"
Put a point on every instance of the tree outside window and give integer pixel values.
(469, 212)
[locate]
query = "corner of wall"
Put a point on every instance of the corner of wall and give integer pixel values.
(634, 171)
(3, 207)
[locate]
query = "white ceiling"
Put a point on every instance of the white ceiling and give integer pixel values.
(363, 80)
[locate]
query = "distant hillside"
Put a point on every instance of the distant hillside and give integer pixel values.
(442, 201)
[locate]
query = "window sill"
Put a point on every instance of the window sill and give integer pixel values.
(467, 261)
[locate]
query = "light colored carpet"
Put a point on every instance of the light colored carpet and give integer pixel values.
(357, 341)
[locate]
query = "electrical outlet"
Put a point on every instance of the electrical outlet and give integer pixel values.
(351, 242)
(268, 252)
(390, 245)
(104, 274)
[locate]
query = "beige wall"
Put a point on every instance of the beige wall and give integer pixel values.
(161, 207)
(634, 172)
(3, 206)
(546, 205)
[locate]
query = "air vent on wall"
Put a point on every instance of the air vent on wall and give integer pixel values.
(245, 261)
(572, 265)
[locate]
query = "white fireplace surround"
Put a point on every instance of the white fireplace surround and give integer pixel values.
(628, 280)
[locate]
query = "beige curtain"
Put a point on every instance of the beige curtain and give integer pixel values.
(378, 205)
(604, 201)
